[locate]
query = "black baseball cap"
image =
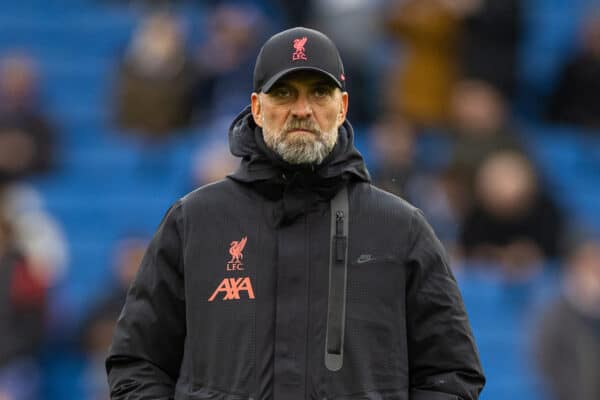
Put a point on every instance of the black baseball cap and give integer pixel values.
(297, 49)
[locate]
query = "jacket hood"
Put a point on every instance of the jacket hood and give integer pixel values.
(259, 163)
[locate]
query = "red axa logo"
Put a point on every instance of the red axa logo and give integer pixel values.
(299, 51)
(235, 249)
(231, 288)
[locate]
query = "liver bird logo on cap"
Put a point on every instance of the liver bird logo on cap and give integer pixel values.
(299, 53)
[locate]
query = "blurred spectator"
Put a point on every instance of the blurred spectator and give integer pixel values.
(153, 93)
(420, 83)
(98, 328)
(480, 125)
(212, 162)
(225, 59)
(36, 233)
(393, 140)
(491, 39)
(396, 168)
(568, 339)
(156, 4)
(22, 303)
(295, 13)
(26, 134)
(512, 223)
(576, 98)
(355, 27)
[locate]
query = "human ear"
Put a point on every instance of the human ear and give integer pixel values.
(255, 107)
(343, 108)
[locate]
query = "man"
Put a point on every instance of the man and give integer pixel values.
(294, 278)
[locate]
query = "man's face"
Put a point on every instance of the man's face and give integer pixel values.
(300, 116)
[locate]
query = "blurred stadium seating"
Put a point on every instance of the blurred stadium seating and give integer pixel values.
(107, 185)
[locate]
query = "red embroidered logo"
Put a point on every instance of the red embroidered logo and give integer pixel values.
(299, 53)
(231, 287)
(235, 249)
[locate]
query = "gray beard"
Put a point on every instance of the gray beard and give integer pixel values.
(313, 152)
(309, 151)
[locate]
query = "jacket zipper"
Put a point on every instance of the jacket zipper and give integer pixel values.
(308, 298)
(340, 250)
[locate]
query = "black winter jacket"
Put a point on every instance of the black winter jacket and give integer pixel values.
(230, 302)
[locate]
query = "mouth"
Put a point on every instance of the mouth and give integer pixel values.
(302, 131)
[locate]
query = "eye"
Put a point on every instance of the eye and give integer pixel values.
(322, 91)
(280, 92)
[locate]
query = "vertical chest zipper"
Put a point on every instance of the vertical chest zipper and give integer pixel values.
(338, 265)
(340, 237)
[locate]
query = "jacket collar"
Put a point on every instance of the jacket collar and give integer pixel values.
(259, 163)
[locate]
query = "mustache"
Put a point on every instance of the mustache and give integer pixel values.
(303, 124)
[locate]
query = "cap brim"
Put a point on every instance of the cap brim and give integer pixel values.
(268, 84)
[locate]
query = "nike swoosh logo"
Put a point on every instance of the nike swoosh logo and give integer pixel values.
(365, 258)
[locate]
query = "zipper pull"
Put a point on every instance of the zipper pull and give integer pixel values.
(340, 238)
(339, 223)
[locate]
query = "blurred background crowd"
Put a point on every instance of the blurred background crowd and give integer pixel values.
(483, 113)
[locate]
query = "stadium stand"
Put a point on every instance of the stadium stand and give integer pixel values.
(107, 184)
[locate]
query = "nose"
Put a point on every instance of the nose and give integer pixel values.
(302, 107)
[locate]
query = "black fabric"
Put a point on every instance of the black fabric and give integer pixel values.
(22, 302)
(338, 272)
(491, 41)
(541, 223)
(194, 326)
(426, 395)
(576, 98)
(298, 187)
(293, 50)
(33, 126)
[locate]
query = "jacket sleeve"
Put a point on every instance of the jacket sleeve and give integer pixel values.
(147, 347)
(443, 359)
